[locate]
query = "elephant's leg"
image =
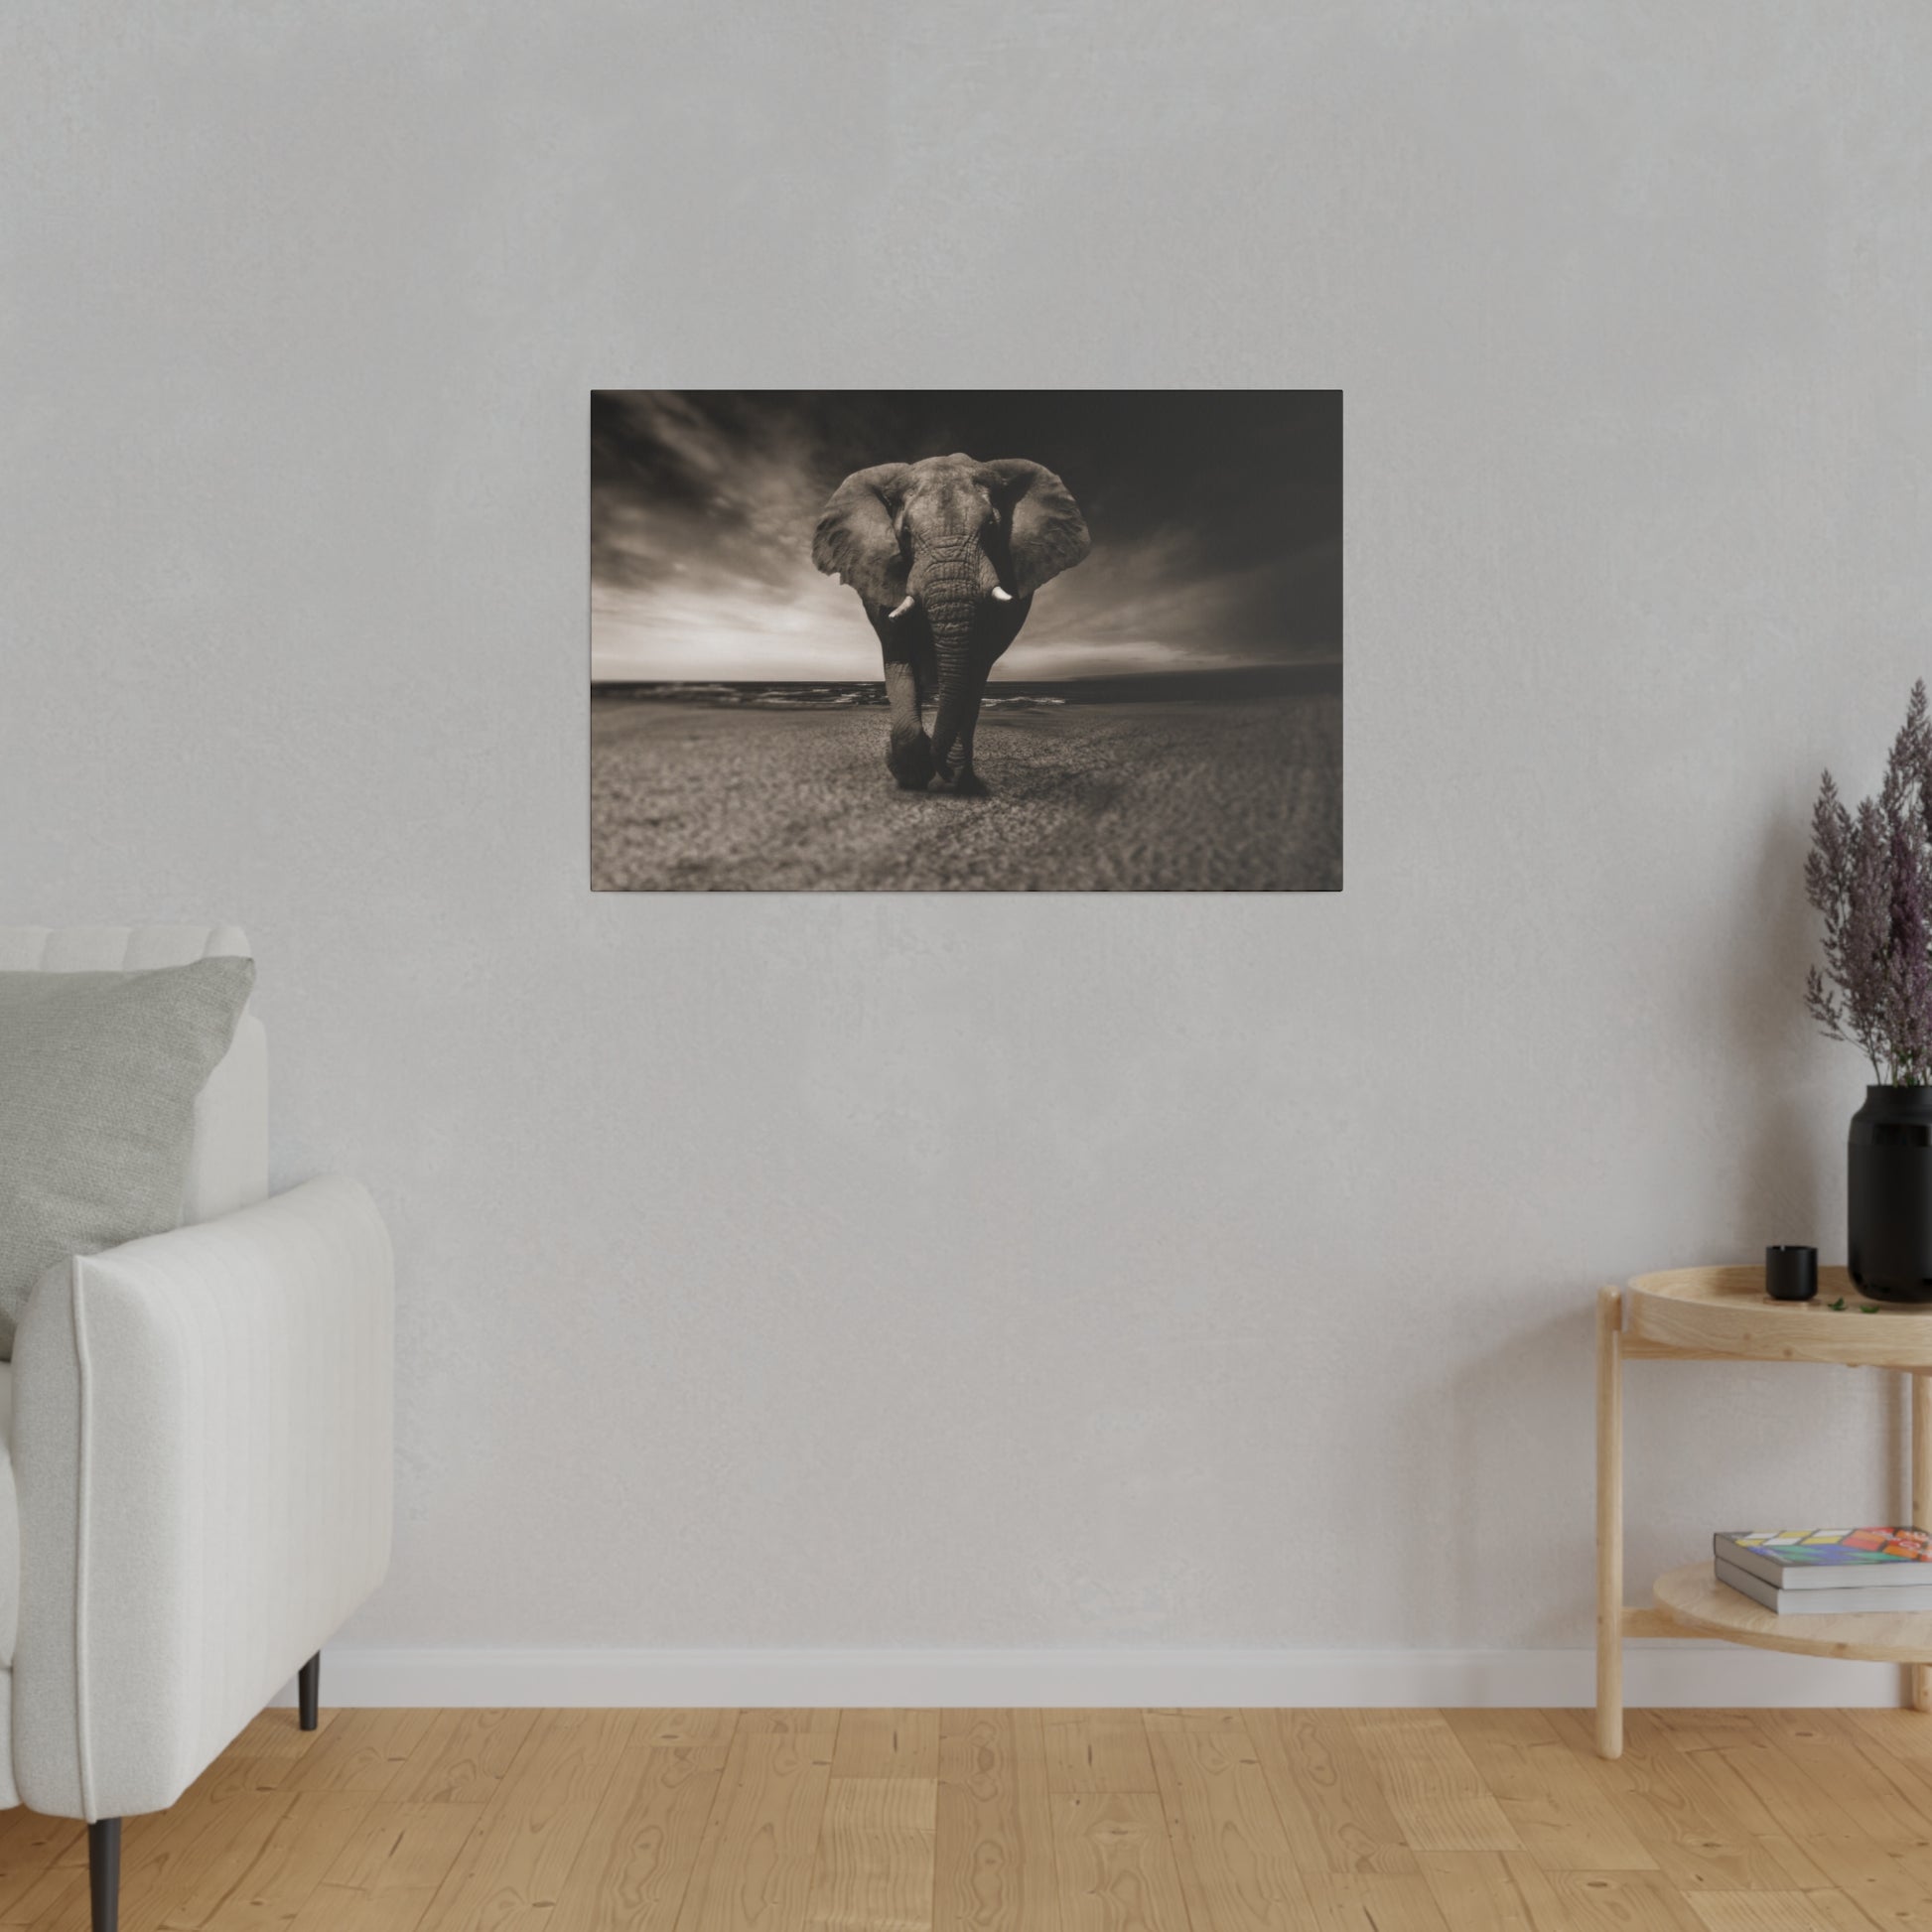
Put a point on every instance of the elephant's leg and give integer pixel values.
(959, 760)
(908, 751)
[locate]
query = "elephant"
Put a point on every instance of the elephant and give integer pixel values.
(946, 554)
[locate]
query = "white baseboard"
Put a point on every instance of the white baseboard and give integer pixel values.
(1654, 1674)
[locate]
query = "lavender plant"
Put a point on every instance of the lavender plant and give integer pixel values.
(1870, 875)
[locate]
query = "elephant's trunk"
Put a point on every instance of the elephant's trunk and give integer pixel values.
(949, 593)
(955, 701)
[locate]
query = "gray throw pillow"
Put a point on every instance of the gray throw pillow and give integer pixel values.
(99, 1075)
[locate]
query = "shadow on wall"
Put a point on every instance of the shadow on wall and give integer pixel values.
(1552, 1438)
(1508, 1444)
(1764, 1031)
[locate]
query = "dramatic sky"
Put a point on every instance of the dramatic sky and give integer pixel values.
(1216, 521)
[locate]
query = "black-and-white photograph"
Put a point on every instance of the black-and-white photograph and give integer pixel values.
(1026, 641)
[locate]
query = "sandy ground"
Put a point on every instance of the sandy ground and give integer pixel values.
(1166, 796)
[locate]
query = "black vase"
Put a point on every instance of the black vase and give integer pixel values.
(1889, 1200)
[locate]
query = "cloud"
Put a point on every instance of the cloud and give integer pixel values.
(725, 632)
(1167, 588)
(1213, 544)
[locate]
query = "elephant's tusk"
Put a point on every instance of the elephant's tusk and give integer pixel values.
(900, 609)
(1000, 595)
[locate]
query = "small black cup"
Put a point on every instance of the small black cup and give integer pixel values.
(1791, 1274)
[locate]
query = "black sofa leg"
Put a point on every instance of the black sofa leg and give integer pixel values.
(105, 1837)
(308, 1688)
(104, 1873)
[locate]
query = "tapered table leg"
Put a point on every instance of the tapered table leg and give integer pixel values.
(1610, 1523)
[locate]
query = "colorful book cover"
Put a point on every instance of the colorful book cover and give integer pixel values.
(1821, 1549)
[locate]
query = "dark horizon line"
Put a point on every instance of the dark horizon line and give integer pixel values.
(1306, 678)
(1289, 668)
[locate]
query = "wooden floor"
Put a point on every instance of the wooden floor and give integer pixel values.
(1027, 1820)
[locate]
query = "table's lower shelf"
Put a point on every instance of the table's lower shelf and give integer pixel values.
(1693, 1598)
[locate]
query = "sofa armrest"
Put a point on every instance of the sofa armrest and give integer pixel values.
(203, 1452)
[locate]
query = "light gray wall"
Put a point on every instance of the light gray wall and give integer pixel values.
(986, 1271)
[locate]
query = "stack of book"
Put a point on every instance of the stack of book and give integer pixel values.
(1828, 1572)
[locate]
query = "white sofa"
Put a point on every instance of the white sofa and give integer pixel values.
(199, 1459)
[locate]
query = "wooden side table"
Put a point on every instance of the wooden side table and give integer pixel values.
(1706, 1314)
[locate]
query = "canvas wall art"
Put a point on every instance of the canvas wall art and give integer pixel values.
(1027, 640)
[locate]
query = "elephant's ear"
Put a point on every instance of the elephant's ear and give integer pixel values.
(855, 541)
(1045, 531)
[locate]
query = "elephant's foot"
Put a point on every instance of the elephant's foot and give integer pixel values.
(909, 757)
(967, 783)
